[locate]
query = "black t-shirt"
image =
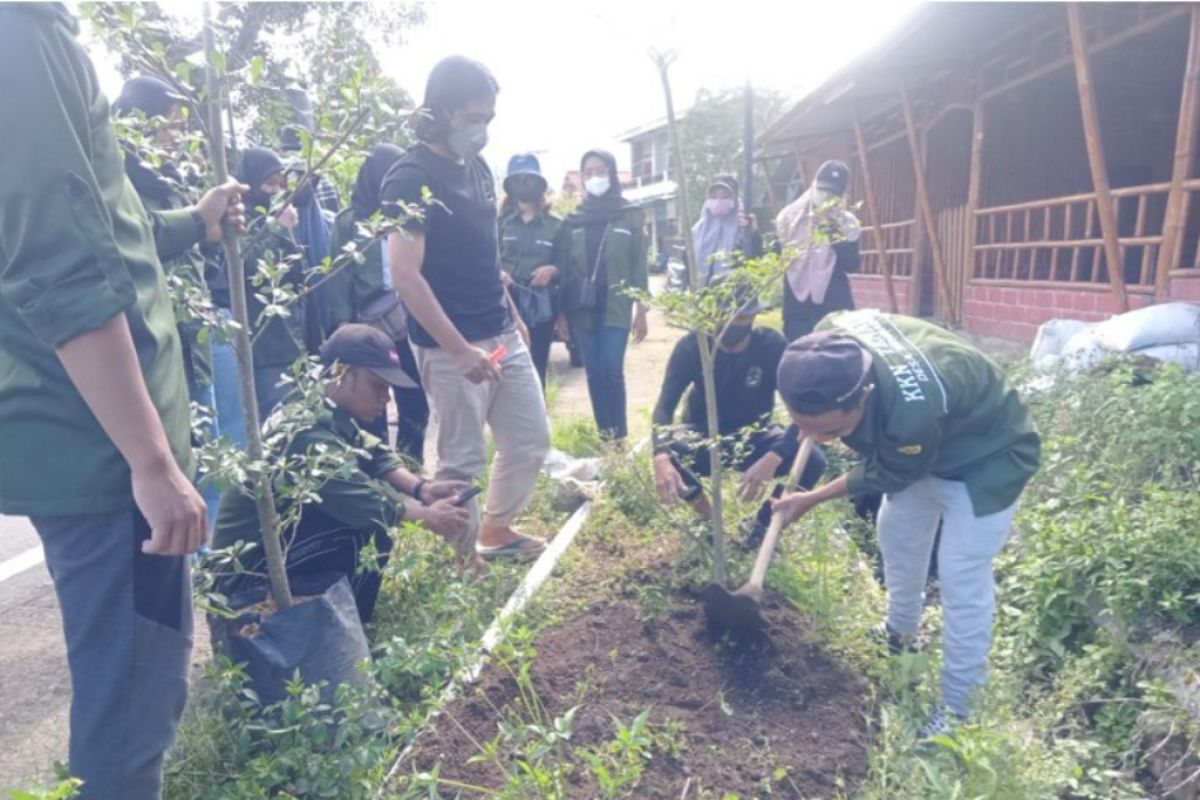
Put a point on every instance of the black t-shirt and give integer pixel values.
(462, 245)
(745, 383)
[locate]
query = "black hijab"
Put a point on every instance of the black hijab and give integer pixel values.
(608, 206)
(364, 198)
(257, 165)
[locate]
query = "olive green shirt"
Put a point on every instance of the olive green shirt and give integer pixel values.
(76, 249)
(525, 246)
(278, 340)
(941, 408)
(362, 500)
(357, 282)
(183, 258)
(625, 261)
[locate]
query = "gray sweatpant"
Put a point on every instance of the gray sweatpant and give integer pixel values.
(907, 525)
(127, 618)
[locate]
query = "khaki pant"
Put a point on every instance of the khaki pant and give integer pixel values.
(515, 410)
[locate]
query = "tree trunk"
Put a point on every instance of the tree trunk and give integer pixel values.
(706, 350)
(268, 520)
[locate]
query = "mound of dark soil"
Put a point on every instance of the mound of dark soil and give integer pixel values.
(745, 713)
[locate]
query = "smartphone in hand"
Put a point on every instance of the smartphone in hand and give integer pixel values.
(465, 495)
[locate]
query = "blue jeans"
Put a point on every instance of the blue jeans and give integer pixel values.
(127, 620)
(604, 363)
(230, 422)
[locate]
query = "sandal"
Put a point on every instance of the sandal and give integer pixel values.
(520, 547)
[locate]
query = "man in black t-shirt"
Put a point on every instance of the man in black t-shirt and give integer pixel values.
(747, 358)
(445, 264)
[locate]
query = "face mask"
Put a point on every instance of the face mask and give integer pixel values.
(821, 196)
(597, 185)
(528, 194)
(466, 143)
(735, 335)
(720, 206)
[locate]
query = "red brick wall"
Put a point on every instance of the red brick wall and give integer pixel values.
(1015, 312)
(869, 292)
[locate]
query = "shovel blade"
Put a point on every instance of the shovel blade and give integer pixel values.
(739, 612)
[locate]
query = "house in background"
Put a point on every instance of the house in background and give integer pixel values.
(652, 188)
(1017, 162)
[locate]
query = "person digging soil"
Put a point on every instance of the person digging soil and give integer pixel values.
(946, 439)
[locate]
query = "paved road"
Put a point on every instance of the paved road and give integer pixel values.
(34, 687)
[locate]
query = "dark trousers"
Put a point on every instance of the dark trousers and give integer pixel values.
(540, 339)
(801, 317)
(127, 619)
(604, 363)
(412, 406)
(318, 545)
(689, 454)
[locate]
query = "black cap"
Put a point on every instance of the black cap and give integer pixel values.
(357, 345)
(152, 96)
(833, 176)
(822, 372)
(743, 301)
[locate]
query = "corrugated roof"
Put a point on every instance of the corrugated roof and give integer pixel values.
(935, 36)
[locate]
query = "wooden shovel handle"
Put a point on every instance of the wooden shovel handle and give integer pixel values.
(767, 549)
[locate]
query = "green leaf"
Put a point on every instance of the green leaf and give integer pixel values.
(257, 65)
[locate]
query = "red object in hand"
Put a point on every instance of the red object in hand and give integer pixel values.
(497, 355)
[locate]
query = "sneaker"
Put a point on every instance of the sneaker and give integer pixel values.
(897, 643)
(942, 722)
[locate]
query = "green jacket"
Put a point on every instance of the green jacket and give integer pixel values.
(362, 500)
(355, 283)
(525, 246)
(76, 248)
(278, 341)
(625, 260)
(190, 265)
(941, 408)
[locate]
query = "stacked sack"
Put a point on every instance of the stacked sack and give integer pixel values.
(1168, 332)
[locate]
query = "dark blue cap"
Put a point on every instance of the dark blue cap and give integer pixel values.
(523, 164)
(822, 372)
(833, 176)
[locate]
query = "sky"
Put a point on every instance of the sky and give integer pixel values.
(575, 74)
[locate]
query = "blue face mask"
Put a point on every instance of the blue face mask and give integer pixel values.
(469, 141)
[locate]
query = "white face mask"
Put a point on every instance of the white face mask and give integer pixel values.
(597, 185)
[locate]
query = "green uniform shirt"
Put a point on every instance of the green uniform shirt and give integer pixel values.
(76, 249)
(625, 261)
(182, 257)
(940, 407)
(363, 500)
(356, 283)
(525, 246)
(278, 340)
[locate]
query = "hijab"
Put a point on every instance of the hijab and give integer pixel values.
(364, 198)
(716, 238)
(258, 163)
(608, 206)
(810, 272)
